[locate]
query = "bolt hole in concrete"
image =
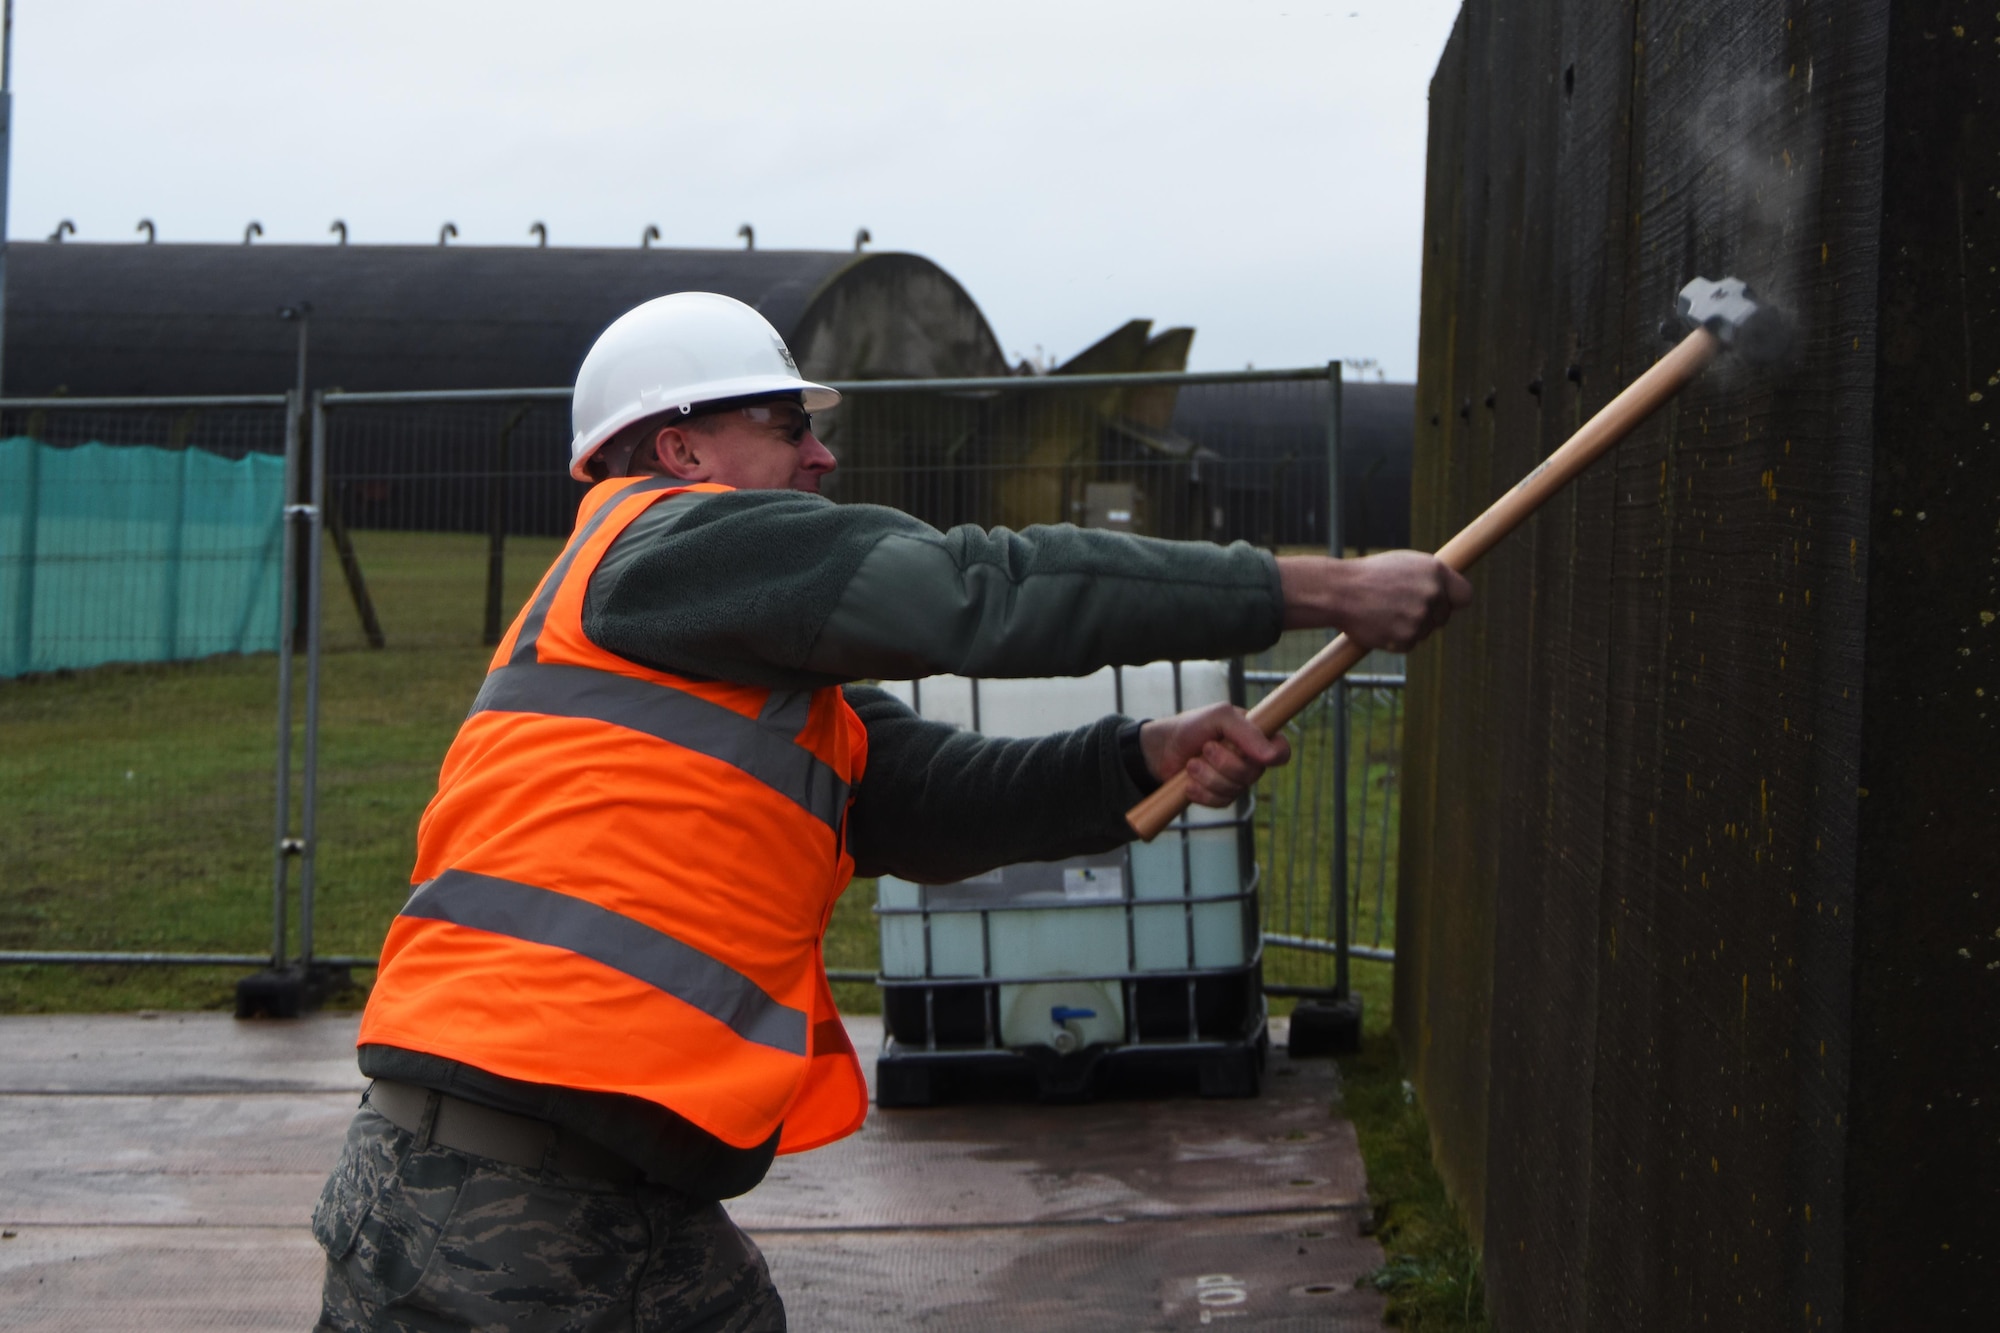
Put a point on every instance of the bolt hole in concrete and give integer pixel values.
(1316, 1289)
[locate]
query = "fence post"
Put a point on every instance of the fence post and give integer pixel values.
(289, 989)
(298, 491)
(1331, 1024)
(496, 528)
(283, 845)
(1336, 547)
(309, 807)
(6, 159)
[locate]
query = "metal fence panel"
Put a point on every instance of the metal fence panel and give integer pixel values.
(427, 519)
(143, 541)
(1328, 846)
(444, 509)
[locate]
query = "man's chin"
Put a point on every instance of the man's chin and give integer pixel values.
(809, 484)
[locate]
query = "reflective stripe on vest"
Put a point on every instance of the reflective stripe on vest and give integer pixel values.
(761, 747)
(542, 916)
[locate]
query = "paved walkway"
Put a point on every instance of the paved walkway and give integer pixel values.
(157, 1173)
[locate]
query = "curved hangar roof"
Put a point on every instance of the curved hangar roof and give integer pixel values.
(109, 320)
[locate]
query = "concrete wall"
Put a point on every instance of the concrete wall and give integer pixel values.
(1698, 957)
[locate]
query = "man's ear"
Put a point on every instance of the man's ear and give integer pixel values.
(681, 453)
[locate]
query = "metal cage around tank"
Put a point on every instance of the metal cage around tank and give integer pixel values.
(1165, 936)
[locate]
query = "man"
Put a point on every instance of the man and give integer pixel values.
(603, 1009)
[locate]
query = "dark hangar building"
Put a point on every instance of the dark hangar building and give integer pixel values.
(102, 320)
(121, 320)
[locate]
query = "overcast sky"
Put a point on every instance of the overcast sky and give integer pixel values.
(1254, 169)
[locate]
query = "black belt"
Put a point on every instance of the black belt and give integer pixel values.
(517, 1140)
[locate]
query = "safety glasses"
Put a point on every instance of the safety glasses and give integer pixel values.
(789, 420)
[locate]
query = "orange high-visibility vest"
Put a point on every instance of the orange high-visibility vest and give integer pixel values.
(625, 876)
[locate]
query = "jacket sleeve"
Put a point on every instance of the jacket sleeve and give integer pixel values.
(791, 591)
(937, 804)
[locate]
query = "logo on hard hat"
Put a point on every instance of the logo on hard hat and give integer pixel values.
(784, 354)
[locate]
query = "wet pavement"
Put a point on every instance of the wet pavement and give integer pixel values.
(157, 1173)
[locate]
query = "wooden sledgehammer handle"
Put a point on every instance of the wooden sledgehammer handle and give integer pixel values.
(1640, 400)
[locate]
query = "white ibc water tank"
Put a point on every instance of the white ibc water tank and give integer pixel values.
(1067, 941)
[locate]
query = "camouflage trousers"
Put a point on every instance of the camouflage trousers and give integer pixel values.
(421, 1237)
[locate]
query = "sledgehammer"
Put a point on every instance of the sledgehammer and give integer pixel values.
(1722, 313)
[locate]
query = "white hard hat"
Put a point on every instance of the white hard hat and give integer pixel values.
(675, 353)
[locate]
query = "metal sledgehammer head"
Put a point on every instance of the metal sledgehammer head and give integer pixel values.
(1755, 331)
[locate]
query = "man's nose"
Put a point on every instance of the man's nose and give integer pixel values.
(816, 457)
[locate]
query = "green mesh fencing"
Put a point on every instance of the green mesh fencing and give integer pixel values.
(135, 554)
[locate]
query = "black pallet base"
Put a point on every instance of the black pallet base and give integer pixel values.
(906, 1077)
(1166, 1008)
(290, 991)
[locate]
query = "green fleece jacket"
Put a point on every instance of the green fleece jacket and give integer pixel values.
(791, 591)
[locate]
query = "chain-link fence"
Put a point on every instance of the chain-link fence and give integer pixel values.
(437, 514)
(143, 594)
